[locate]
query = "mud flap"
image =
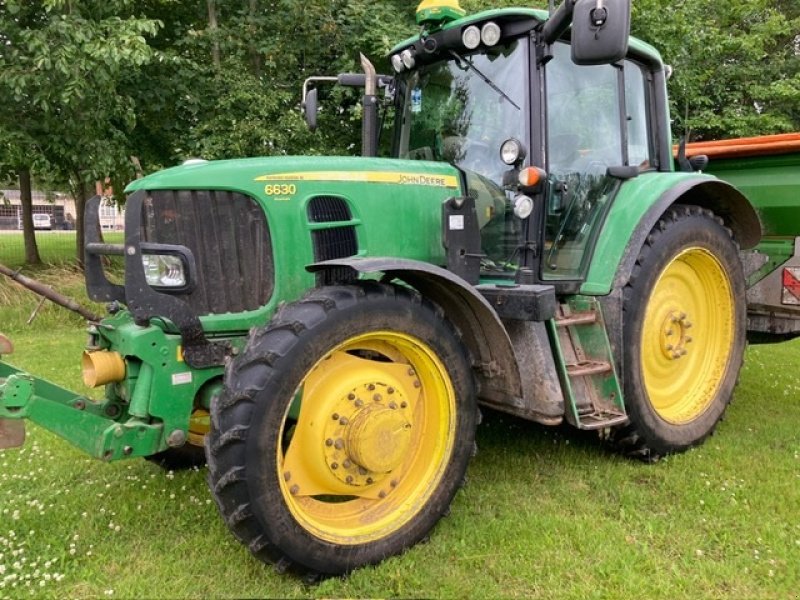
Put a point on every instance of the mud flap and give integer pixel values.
(12, 433)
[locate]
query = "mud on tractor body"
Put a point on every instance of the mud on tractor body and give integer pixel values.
(321, 329)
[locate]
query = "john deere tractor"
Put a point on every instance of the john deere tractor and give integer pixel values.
(326, 327)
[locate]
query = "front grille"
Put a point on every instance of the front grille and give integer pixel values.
(229, 236)
(328, 209)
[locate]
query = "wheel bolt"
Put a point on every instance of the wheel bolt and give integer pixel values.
(377, 398)
(347, 464)
(393, 405)
(294, 490)
(411, 372)
(334, 466)
(381, 494)
(351, 396)
(683, 351)
(287, 476)
(417, 384)
(390, 390)
(343, 421)
(349, 479)
(369, 480)
(669, 347)
(676, 355)
(393, 483)
(329, 442)
(687, 325)
(403, 404)
(371, 387)
(688, 339)
(335, 416)
(339, 444)
(359, 403)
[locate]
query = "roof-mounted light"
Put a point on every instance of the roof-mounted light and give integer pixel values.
(408, 58)
(438, 12)
(397, 63)
(490, 34)
(471, 37)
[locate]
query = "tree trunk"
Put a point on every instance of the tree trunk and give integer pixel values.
(255, 55)
(26, 198)
(81, 195)
(213, 29)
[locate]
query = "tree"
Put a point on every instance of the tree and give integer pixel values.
(63, 63)
(737, 63)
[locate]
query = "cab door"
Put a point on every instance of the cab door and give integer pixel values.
(596, 118)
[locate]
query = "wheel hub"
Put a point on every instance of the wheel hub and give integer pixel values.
(368, 434)
(675, 337)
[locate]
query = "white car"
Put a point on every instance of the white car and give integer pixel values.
(42, 221)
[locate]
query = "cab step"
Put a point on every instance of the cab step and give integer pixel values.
(593, 397)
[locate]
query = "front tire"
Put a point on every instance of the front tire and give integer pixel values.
(684, 333)
(344, 429)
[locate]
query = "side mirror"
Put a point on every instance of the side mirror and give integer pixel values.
(310, 109)
(600, 30)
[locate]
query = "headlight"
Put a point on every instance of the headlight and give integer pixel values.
(397, 63)
(408, 59)
(523, 206)
(471, 37)
(512, 151)
(490, 34)
(164, 270)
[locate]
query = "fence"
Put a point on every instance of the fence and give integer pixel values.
(55, 247)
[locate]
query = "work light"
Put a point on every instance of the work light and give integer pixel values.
(471, 37)
(408, 59)
(490, 34)
(511, 151)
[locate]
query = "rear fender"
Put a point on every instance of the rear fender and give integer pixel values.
(613, 263)
(639, 207)
(486, 338)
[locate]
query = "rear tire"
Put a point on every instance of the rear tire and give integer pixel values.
(344, 429)
(684, 333)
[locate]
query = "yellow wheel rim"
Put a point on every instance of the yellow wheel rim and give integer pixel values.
(687, 336)
(372, 440)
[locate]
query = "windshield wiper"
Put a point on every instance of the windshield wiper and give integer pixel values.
(486, 80)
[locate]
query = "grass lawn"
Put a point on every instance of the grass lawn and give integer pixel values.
(55, 247)
(547, 513)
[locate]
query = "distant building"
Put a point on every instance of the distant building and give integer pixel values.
(59, 206)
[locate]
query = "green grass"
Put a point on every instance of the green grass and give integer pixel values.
(55, 247)
(547, 513)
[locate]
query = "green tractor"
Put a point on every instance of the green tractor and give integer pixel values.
(322, 330)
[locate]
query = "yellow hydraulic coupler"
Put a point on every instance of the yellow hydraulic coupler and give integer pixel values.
(101, 367)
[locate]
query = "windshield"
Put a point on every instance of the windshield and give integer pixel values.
(461, 111)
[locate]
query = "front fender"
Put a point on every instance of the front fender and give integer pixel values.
(640, 204)
(481, 328)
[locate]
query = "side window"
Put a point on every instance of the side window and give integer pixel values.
(582, 116)
(636, 107)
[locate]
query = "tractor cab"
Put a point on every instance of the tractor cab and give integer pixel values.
(544, 115)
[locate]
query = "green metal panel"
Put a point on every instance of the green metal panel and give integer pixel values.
(771, 183)
(777, 251)
(635, 198)
(399, 199)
